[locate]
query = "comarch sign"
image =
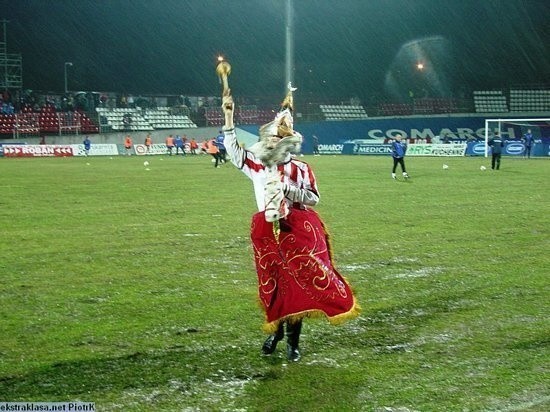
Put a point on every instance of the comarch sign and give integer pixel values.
(331, 148)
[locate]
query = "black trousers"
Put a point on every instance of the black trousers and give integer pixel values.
(400, 161)
(495, 160)
(293, 331)
(217, 157)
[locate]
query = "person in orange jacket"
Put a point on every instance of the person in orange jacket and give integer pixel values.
(193, 146)
(212, 149)
(169, 144)
(148, 143)
(128, 143)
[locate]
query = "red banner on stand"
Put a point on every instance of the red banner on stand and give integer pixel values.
(38, 150)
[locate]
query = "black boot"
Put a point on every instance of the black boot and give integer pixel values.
(293, 338)
(270, 343)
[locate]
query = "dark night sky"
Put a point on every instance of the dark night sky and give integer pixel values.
(342, 48)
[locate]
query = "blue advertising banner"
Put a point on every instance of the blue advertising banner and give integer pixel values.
(511, 148)
(359, 148)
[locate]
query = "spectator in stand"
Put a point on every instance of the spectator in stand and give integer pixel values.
(398, 151)
(193, 145)
(528, 141)
(178, 142)
(169, 144)
(87, 145)
(497, 144)
(7, 108)
(128, 143)
(148, 143)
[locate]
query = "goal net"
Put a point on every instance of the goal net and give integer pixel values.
(515, 129)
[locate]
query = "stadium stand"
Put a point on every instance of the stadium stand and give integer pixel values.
(245, 115)
(161, 118)
(214, 116)
(490, 101)
(529, 100)
(51, 121)
(266, 115)
(343, 112)
(43, 114)
(123, 119)
(434, 106)
(46, 121)
(143, 120)
(253, 115)
(395, 109)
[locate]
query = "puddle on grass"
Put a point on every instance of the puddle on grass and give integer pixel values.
(214, 394)
(354, 268)
(417, 273)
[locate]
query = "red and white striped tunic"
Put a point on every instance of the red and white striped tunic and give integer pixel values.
(299, 184)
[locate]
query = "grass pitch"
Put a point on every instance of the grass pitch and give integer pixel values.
(135, 289)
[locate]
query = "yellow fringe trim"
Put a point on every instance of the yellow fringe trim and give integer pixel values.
(271, 327)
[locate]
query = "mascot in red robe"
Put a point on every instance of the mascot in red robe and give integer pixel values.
(296, 276)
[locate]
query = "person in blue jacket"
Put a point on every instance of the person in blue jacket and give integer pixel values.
(398, 151)
(87, 145)
(528, 141)
(497, 146)
(221, 146)
(179, 145)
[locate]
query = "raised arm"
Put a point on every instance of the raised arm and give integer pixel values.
(234, 150)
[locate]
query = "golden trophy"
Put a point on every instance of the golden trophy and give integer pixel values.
(223, 69)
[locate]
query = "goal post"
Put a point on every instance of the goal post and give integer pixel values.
(515, 127)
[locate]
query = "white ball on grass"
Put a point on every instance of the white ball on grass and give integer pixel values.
(482, 168)
(445, 167)
(146, 163)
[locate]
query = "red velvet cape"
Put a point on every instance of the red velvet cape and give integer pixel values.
(296, 277)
